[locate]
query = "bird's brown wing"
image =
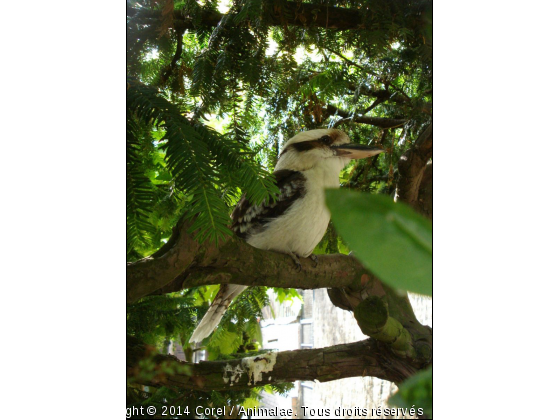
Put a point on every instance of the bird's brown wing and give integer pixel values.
(248, 219)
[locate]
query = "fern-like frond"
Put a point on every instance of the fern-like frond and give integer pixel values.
(140, 193)
(155, 317)
(201, 162)
(232, 157)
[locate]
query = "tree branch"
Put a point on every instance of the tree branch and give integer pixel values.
(352, 63)
(309, 15)
(373, 105)
(412, 166)
(183, 263)
(372, 315)
(180, 31)
(364, 358)
(287, 13)
(381, 95)
(386, 315)
(377, 121)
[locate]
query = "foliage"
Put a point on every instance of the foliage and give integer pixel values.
(390, 238)
(205, 166)
(416, 391)
(239, 330)
(210, 99)
(155, 319)
(242, 76)
(162, 320)
(162, 396)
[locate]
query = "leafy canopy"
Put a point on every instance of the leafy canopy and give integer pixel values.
(212, 95)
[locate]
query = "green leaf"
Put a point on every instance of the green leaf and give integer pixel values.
(416, 391)
(164, 176)
(287, 295)
(392, 240)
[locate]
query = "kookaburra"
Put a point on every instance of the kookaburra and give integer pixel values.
(295, 223)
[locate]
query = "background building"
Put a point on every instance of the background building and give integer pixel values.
(318, 323)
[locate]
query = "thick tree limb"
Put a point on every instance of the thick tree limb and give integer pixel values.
(382, 313)
(364, 358)
(377, 121)
(183, 263)
(372, 315)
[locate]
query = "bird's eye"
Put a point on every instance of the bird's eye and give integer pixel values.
(326, 140)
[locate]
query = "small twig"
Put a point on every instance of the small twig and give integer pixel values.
(376, 121)
(375, 103)
(352, 62)
(406, 97)
(341, 121)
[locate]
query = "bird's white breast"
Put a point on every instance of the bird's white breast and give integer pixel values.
(301, 228)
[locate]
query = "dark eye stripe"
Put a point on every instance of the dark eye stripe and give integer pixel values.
(303, 146)
(306, 145)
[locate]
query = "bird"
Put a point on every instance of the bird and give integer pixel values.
(296, 221)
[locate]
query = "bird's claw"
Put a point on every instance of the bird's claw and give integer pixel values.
(315, 260)
(296, 261)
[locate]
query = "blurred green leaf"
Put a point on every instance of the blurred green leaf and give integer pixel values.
(164, 176)
(416, 391)
(286, 294)
(392, 240)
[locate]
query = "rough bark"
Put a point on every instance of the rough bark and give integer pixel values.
(185, 263)
(363, 358)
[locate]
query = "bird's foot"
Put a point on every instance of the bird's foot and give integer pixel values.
(296, 261)
(315, 260)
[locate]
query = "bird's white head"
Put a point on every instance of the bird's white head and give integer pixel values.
(330, 148)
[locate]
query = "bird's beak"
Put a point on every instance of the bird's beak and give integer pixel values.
(356, 151)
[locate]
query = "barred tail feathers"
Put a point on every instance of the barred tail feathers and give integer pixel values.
(216, 311)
